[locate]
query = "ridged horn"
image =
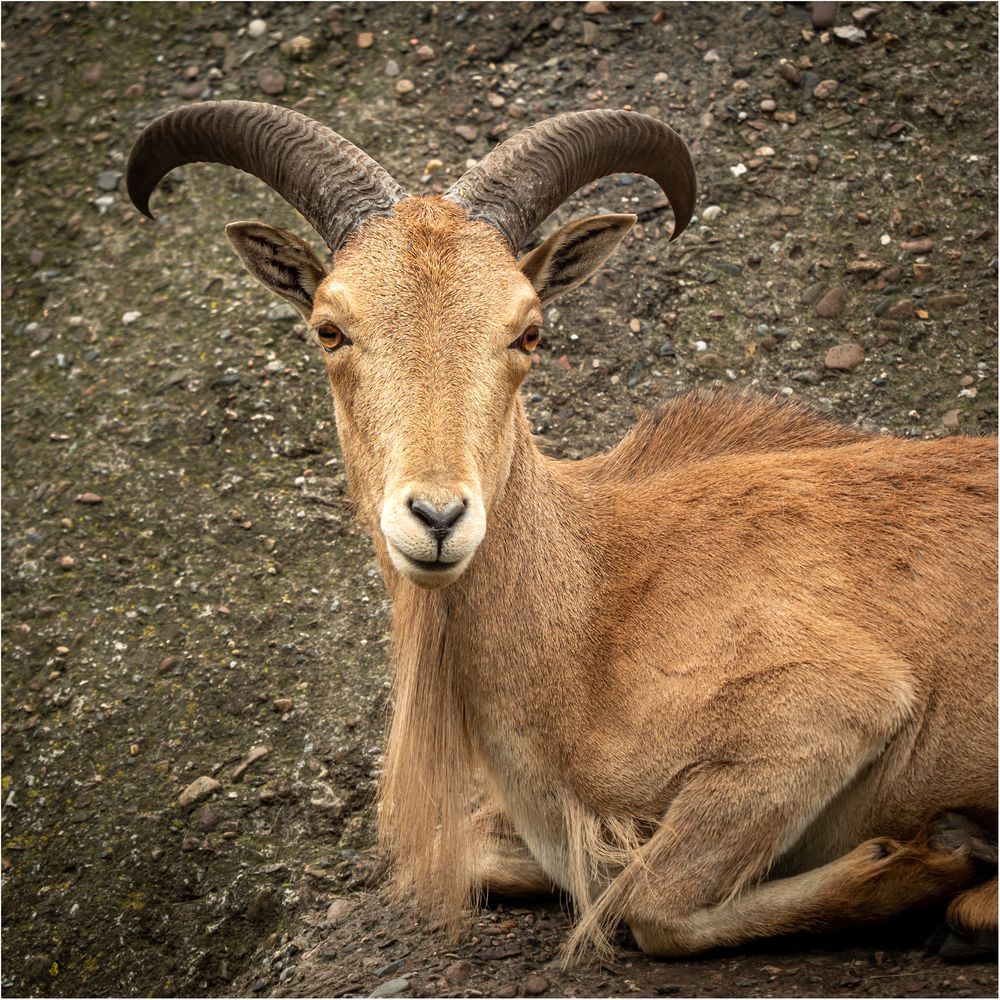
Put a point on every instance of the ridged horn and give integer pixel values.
(529, 176)
(325, 177)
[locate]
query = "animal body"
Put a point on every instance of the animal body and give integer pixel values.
(735, 678)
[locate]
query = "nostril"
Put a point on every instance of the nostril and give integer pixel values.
(439, 520)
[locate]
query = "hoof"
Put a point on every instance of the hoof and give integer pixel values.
(958, 947)
(953, 832)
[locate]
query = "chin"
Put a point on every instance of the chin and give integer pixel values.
(429, 576)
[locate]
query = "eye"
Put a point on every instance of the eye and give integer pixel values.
(331, 337)
(528, 340)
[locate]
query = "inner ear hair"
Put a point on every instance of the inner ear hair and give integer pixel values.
(279, 260)
(574, 253)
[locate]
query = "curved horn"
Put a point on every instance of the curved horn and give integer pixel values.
(527, 177)
(324, 176)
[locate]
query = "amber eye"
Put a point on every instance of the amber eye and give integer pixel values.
(528, 340)
(331, 337)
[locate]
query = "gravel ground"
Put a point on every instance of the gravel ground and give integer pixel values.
(186, 596)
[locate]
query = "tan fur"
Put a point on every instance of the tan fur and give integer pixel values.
(701, 673)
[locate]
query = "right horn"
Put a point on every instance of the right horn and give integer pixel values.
(328, 179)
(523, 180)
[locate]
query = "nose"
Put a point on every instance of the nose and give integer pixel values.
(439, 520)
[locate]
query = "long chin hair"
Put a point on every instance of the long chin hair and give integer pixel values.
(429, 776)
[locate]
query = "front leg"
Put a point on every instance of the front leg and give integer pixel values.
(776, 748)
(501, 861)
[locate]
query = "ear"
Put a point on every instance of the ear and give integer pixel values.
(574, 253)
(279, 261)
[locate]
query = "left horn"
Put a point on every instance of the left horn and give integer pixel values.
(324, 176)
(529, 176)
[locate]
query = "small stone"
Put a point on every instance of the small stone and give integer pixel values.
(711, 56)
(458, 972)
(786, 117)
(965, 381)
(467, 132)
(167, 664)
(850, 34)
(946, 301)
(917, 247)
(301, 47)
(496, 100)
(808, 376)
(832, 304)
(107, 180)
(336, 912)
(67, 562)
(425, 53)
(862, 14)
(283, 704)
(391, 988)
(366, 40)
(199, 789)
(271, 81)
(130, 317)
(282, 312)
(825, 89)
(391, 68)
(711, 213)
(901, 310)
(90, 499)
(255, 754)
(950, 421)
(433, 166)
(590, 32)
(768, 104)
(844, 357)
(790, 73)
(404, 87)
(256, 28)
(812, 162)
(595, 8)
(635, 325)
(709, 360)
(507, 990)
(205, 818)
(535, 985)
(36, 257)
(923, 272)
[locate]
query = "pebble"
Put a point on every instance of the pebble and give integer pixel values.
(271, 81)
(425, 53)
(391, 68)
(917, 246)
(391, 988)
(808, 376)
(709, 360)
(844, 357)
(590, 32)
(67, 562)
(107, 180)
(786, 117)
(458, 972)
(595, 8)
(90, 498)
(535, 985)
(256, 28)
(790, 73)
(130, 317)
(946, 301)
(507, 990)
(711, 56)
(199, 789)
(850, 34)
(282, 311)
(901, 310)
(300, 47)
(404, 87)
(283, 704)
(635, 325)
(467, 132)
(336, 912)
(923, 272)
(366, 40)
(205, 818)
(255, 754)
(825, 89)
(711, 213)
(768, 104)
(950, 421)
(496, 100)
(832, 304)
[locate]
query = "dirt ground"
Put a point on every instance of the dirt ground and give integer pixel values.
(182, 580)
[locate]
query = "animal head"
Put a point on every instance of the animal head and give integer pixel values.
(426, 319)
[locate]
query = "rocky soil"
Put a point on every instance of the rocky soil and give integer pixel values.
(195, 661)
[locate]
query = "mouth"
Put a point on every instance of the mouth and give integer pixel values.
(432, 573)
(437, 566)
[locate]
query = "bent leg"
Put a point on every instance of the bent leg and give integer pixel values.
(878, 879)
(502, 863)
(972, 924)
